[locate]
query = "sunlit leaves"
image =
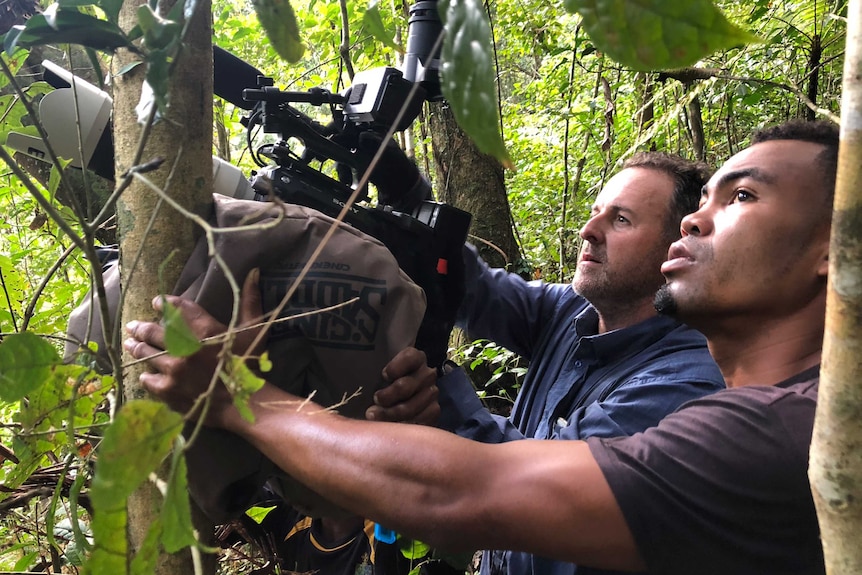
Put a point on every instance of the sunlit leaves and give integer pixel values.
(278, 20)
(70, 394)
(374, 23)
(14, 285)
(179, 339)
(26, 361)
(14, 63)
(468, 79)
(657, 34)
(133, 446)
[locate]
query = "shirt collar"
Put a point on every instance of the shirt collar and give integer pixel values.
(618, 342)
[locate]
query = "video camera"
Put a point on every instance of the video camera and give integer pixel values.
(425, 237)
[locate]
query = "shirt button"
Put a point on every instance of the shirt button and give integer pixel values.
(578, 363)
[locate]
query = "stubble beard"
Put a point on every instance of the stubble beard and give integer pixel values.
(591, 287)
(665, 303)
(612, 295)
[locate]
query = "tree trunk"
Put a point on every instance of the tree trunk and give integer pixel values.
(813, 79)
(473, 181)
(836, 448)
(695, 122)
(646, 108)
(150, 231)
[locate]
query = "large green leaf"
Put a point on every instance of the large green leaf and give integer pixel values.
(133, 446)
(657, 34)
(468, 79)
(59, 26)
(278, 20)
(26, 361)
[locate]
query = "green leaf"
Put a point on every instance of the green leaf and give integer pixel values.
(657, 34)
(159, 33)
(176, 512)
(264, 364)
(413, 549)
(133, 446)
(14, 64)
(241, 382)
(26, 362)
(258, 514)
(374, 23)
(24, 563)
(179, 339)
(468, 75)
(158, 76)
(278, 20)
(145, 560)
(66, 27)
(111, 8)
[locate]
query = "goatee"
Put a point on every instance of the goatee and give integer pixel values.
(664, 302)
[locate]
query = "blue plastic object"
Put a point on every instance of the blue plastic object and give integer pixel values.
(383, 534)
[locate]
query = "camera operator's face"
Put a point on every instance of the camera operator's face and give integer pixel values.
(625, 240)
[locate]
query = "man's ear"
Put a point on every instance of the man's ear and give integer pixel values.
(823, 266)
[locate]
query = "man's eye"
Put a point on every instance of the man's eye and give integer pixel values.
(743, 196)
(622, 220)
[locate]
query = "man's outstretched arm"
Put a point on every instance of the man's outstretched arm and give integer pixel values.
(545, 497)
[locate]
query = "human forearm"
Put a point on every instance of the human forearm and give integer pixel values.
(544, 497)
(378, 470)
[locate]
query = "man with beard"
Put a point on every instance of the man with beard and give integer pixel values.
(602, 362)
(720, 486)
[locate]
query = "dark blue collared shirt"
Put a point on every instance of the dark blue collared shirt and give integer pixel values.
(579, 383)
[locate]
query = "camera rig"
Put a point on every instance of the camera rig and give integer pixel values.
(425, 237)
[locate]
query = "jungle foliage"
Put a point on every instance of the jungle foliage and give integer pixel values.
(570, 113)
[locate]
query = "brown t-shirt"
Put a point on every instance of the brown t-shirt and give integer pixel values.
(721, 485)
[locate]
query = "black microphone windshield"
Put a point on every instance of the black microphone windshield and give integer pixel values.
(232, 75)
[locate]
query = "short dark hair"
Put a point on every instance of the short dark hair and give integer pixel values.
(822, 132)
(688, 177)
